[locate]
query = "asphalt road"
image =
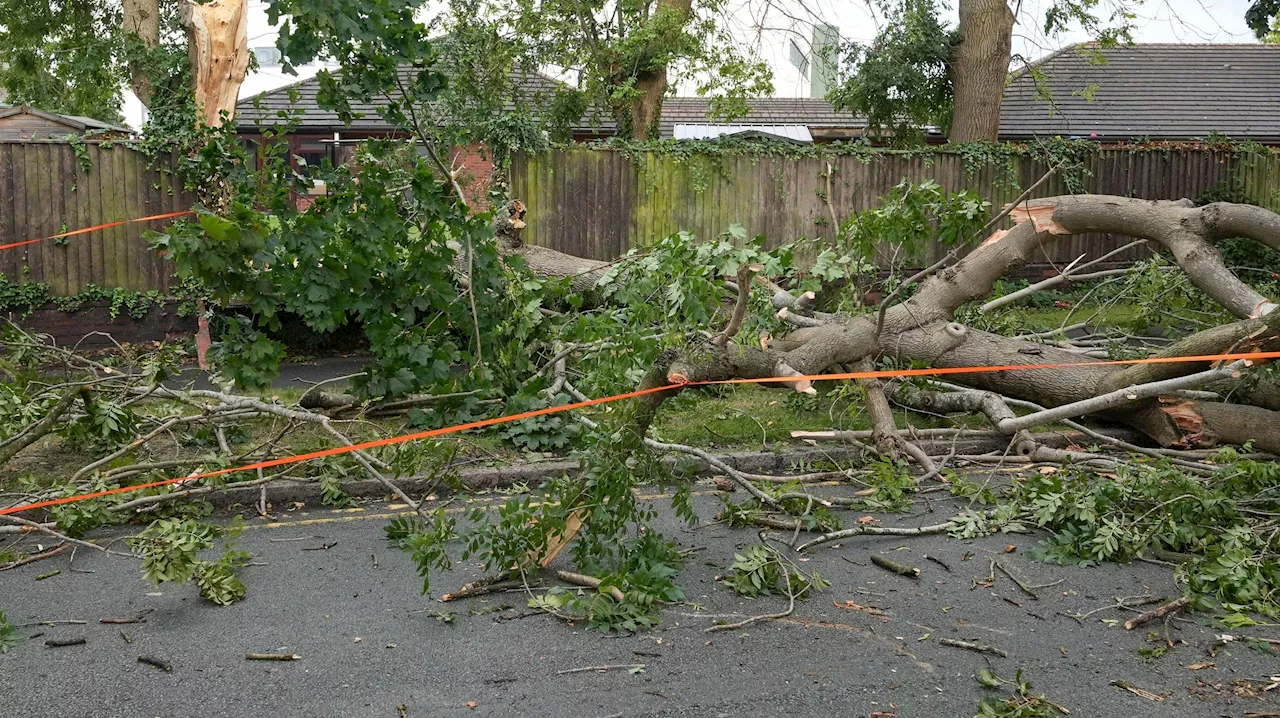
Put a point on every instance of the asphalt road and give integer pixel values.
(346, 611)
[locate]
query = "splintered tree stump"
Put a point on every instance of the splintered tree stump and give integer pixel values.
(218, 42)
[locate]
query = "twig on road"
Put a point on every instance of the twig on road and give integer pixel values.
(975, 647)
(601, 669)
(36, 557)
(895, 567)
(61, 642)
(160, 663)
(272, 656)
(1159, 612)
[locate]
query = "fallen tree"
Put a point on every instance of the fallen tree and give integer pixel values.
(923, 330)
(694, 312)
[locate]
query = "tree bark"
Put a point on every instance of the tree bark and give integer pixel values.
(644, 112)
(142, 19)
(922, 330)
(980, 68)
(508, 227)
(218, 39)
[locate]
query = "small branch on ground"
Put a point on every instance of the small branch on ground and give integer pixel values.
(36, 557)
(863, 530)
(160, 663)
(580, 579)
(602, 669)
(975, 647)
(1160, 612)
(272, 657)
(895, 567)
(482, 587)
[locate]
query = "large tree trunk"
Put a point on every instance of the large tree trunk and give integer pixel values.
(218, 38)
(646, 110)
(979, 69)
(642, 113)
(922, 330)
(142, 18)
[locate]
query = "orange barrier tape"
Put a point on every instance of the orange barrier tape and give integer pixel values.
(95, 228)
(679, 381)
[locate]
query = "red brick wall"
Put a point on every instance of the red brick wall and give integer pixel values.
(476, 167)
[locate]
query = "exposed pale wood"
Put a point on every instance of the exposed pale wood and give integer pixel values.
(218, 39)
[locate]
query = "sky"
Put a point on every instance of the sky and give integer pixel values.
(771, 26)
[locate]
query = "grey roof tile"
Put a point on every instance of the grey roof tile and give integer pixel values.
(1156, 90)
(264, 109)
(1160, 91)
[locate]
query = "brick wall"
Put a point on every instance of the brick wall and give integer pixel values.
(71, 328)
(476, 166)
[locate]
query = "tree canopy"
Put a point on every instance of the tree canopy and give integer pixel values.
(62, 56)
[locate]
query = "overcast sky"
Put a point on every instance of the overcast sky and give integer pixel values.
(772, 25)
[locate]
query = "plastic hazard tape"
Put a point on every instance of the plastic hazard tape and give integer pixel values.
(678, 381)
(95, 228)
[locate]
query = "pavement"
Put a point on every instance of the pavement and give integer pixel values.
(347, 610)
(300, 374)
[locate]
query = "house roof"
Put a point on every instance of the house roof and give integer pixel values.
(812, 112)
(1159, 91)
(75, 123)
(275, 107)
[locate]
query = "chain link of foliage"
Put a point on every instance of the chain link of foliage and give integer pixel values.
(27, 296)
(705, 158)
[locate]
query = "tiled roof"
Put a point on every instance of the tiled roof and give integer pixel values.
(813, 112)
(277, 107)
(1158, 91)
(265, 108)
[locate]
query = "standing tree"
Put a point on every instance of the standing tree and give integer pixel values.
(626, 54)
(918, 73)
(75, 57)
(979, 67)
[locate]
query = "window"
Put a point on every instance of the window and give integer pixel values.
(267, 56)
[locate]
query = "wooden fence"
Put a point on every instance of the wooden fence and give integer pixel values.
(599, 203)
(45, 189)
(589, 202)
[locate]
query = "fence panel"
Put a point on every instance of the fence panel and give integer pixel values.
(47, 188)
(599, 203)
